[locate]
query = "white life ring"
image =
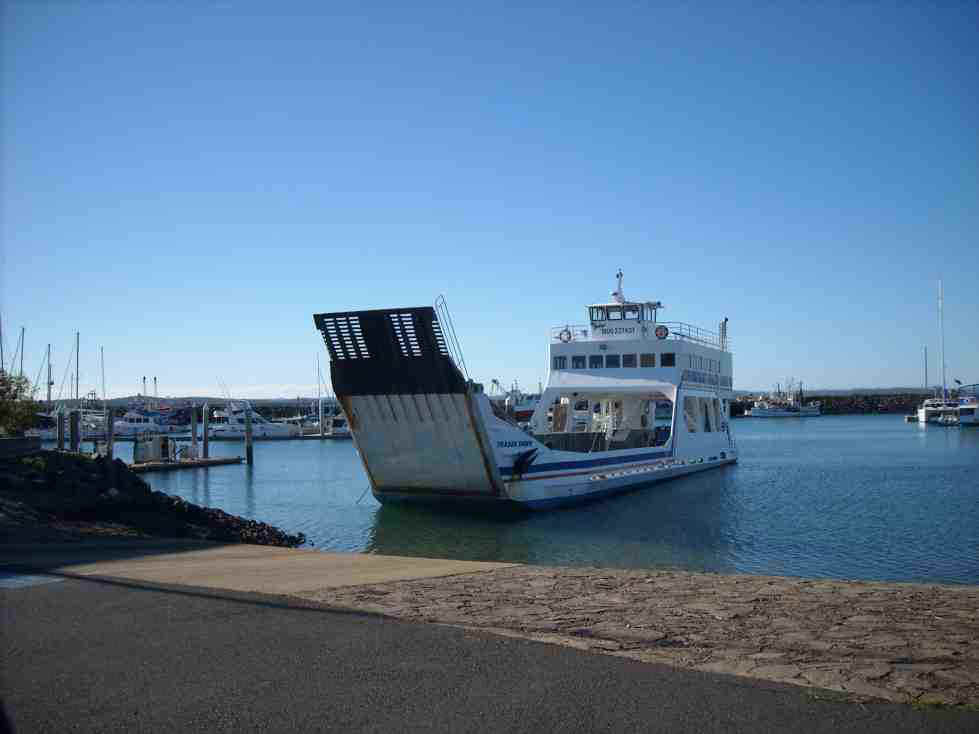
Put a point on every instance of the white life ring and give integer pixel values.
(565, 335)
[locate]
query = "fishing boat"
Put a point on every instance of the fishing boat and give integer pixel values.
(787, 404)
(428, 433)
(515, 403)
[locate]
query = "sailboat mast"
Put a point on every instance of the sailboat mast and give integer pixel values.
(925, 351)
(21, 351)
(49, 377)
(941, 330)
(1, 345)
(77, 345)
(102, 360)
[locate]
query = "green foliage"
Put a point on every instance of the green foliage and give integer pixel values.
(17, 409)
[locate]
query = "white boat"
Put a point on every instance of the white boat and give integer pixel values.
(938, 410)
(426, 433)
(91, 423)
(230, 424)
(140, 420)
(336, 427)
(968, 407)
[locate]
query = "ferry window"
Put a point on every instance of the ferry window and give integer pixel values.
(717, 413)
(614, 313)
(705, 409)
(578, 362)
(597, 408)
(594, 361)
(560, 363)
(581, 405)
(667, 359)
(690, 411)
(647, 360)
(612, 360)
(631, 312)
(628, 360)
(597, 313)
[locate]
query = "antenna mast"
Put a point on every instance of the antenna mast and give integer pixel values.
(941, 329)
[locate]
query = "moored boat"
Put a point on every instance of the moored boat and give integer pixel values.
(426, 433)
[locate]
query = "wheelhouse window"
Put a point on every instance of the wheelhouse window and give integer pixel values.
(560, 363)
(581, 405)
(631, 312)
(612, 360)
(647, 360)
(615, 313)
(628, 360)
(667, 359)
(578, 362)
(594, 361)
(597, 313)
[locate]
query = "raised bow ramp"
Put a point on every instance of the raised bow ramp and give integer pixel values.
(415, 418)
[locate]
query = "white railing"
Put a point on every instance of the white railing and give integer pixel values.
(678, 330)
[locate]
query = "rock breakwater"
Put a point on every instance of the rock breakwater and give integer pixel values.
(51, 495)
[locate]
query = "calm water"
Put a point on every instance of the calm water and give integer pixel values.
(857, 497)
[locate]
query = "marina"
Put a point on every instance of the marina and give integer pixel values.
(855, 497)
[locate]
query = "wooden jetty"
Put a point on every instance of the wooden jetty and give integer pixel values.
(148, 466)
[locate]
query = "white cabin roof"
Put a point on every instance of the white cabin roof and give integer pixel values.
(584, 382)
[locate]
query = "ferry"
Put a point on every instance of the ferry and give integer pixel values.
(426, 433)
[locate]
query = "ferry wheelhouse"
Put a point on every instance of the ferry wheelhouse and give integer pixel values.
(629, 401)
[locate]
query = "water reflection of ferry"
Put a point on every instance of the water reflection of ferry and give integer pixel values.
(428, 434)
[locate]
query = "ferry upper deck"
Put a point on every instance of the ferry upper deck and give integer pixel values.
(625, 339)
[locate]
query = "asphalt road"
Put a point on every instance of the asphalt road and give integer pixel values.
(84, 655)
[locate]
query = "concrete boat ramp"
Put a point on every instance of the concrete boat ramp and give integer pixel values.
(842, 641)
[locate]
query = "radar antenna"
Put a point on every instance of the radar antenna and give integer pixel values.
(617, 295)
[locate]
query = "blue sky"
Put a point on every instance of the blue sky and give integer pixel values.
(186, 183)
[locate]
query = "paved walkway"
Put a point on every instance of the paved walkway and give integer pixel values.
(236, 567)
(89, 654)
(899, 642)
(907, 643)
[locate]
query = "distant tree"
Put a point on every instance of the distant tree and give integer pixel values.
(17, 408)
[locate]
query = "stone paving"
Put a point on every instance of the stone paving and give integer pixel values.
(914, 643)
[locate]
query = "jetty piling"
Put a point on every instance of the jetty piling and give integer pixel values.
(110, 434)
(193, 431)
(61, 430)
(205, 417)
(249, 456)
(74, 430)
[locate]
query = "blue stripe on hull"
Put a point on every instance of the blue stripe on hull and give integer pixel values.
(558, 466)
(553, 503)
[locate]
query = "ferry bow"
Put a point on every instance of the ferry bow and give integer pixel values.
(630, 401)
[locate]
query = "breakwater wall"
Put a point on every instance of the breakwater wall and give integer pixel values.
(854, 404)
